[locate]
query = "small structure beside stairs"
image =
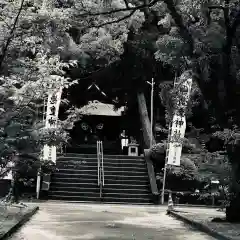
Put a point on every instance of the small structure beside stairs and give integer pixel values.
(133, 149)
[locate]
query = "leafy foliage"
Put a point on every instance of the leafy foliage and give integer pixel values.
(215, 167)
(46, 39)
(52, 37)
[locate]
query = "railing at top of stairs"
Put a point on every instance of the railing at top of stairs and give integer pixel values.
(100, 166)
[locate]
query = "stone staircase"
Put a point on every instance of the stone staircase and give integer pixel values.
(126, 179)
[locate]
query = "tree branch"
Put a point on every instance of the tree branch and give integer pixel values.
(186, 35)
(212, 7)
(126, 3)
(115, 21)
(89, 13)
(5, 47)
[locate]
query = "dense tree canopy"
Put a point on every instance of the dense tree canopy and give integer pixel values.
(42, 40)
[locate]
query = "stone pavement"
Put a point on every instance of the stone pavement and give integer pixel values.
(202, 218)
(13, 216)
(75, 221)
(200, 210)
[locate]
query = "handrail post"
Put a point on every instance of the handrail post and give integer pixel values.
(98, 163)
(102, 163)
(100, 166)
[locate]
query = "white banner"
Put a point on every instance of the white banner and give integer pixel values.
(50, 153)
(53, 104)
(178, 127)
(175, 145)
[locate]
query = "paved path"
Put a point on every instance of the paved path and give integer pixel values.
(63, 221)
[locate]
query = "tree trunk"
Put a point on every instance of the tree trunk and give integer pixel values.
(146, 126)
(6, 45)
(15, 188)
(233, 210)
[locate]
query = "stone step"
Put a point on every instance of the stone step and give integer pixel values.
(123, 171)
(75, 194)
(82, 174)
(56, 184)
(75, 164)
(92, 198)
(128, 191)
(119, 186)
(91, 149)
(95, 160)
(106, 189)
(107, 165)
(95, 156)
(97, 192)
(107, 175)
(125, 179)
(94, 180)
(82, 179)
(93, 183)
(128, 181)
(79, 171)
(54, 196)
(120, 172)
(137, 164)
(114, 199)
(82, 160)
(120, 195)
(77, 190)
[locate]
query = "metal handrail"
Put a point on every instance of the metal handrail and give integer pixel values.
(98, 163)
(100, 166)
(102, 163)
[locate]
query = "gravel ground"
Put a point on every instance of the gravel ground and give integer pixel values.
(72, 221)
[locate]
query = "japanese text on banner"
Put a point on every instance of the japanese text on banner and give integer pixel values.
(54, 99)
(178, 127)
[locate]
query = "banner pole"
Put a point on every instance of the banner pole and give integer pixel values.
(152, 92)
(165, 166)
(164, 181)
(167, 150)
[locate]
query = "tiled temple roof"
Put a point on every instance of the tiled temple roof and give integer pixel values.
(100, 109)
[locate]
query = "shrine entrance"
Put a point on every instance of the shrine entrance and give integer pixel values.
(99, 122)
